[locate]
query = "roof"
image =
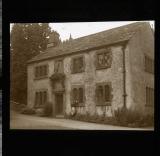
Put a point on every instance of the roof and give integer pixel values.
(107, 37)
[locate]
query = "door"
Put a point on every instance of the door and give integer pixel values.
(59, 104)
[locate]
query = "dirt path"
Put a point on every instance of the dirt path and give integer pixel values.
(19, 121)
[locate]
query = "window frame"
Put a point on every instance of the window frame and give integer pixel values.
(104, 102)
(103, 51)
(149, 96)
(41, 102)
(72, 64)
(79, 104)
(55, 61)
(150, 71)
(39, 69)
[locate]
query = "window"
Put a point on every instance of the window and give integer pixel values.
(103, 94)
(41, 71)
(149, 65)
(58, 66)
(104, 58)
(78, 65)
(149, 96)
(77, 96)
(40, 98)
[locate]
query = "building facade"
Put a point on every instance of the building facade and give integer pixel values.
(96, 74)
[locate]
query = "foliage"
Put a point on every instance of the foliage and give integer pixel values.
(27, 110)
(57, 76)
(122, 117)
(133, 118)
(26, 41)
(17, 106)
(48, 109)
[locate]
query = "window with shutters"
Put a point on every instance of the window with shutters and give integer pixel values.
(41, 71)
(149, 96)
(77, 96)
(40, 98)
(103, 94)
(103, 58)
(78, 64)
(149, 65)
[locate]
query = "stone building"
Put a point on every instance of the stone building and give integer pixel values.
(96, 74)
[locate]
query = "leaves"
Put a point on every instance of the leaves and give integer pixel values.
(27, 40)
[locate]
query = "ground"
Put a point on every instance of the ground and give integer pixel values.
(19, 121)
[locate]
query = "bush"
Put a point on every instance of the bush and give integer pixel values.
(48, 109)
(17, 106)
(28, 111)
(122, 117)
(132, 118)
(40, 112)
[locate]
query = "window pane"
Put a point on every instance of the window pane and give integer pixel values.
(45, 97)
(149, 65)
(149, 96)
(80, 64)
(44, 70)
(81, 95)
(74, 65)
(100, 94)
(75, 94)
(36, 99)
(41, 98)
(100, 59)
(107, 59)
(107, 93)
(36, 72)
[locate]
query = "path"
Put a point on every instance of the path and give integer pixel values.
(33, 122)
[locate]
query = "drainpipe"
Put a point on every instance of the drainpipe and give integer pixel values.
(124, 75)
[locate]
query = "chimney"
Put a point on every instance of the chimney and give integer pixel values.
(53, 39)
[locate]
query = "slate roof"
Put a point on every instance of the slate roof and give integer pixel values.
(107, 37)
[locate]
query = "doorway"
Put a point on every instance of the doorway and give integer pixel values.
(59, 104)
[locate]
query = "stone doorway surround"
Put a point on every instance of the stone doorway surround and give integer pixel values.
(58, 90)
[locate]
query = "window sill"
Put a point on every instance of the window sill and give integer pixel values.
(104, 104)
(39, 78)
(77, 72)
(78, 105)
(99, 68)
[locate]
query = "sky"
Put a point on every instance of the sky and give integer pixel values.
(79, 29)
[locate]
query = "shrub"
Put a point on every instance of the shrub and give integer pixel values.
(28, 111)
(17, 106)
(40, 112)
(48, 109)
(132, 118)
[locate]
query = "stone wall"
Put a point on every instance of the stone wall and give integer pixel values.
(88, 79)
(142, 43)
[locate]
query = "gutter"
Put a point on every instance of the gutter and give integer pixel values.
(124, 76)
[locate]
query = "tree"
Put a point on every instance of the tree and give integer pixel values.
(27, 40)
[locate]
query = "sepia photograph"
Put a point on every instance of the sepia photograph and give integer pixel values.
(82, 75)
